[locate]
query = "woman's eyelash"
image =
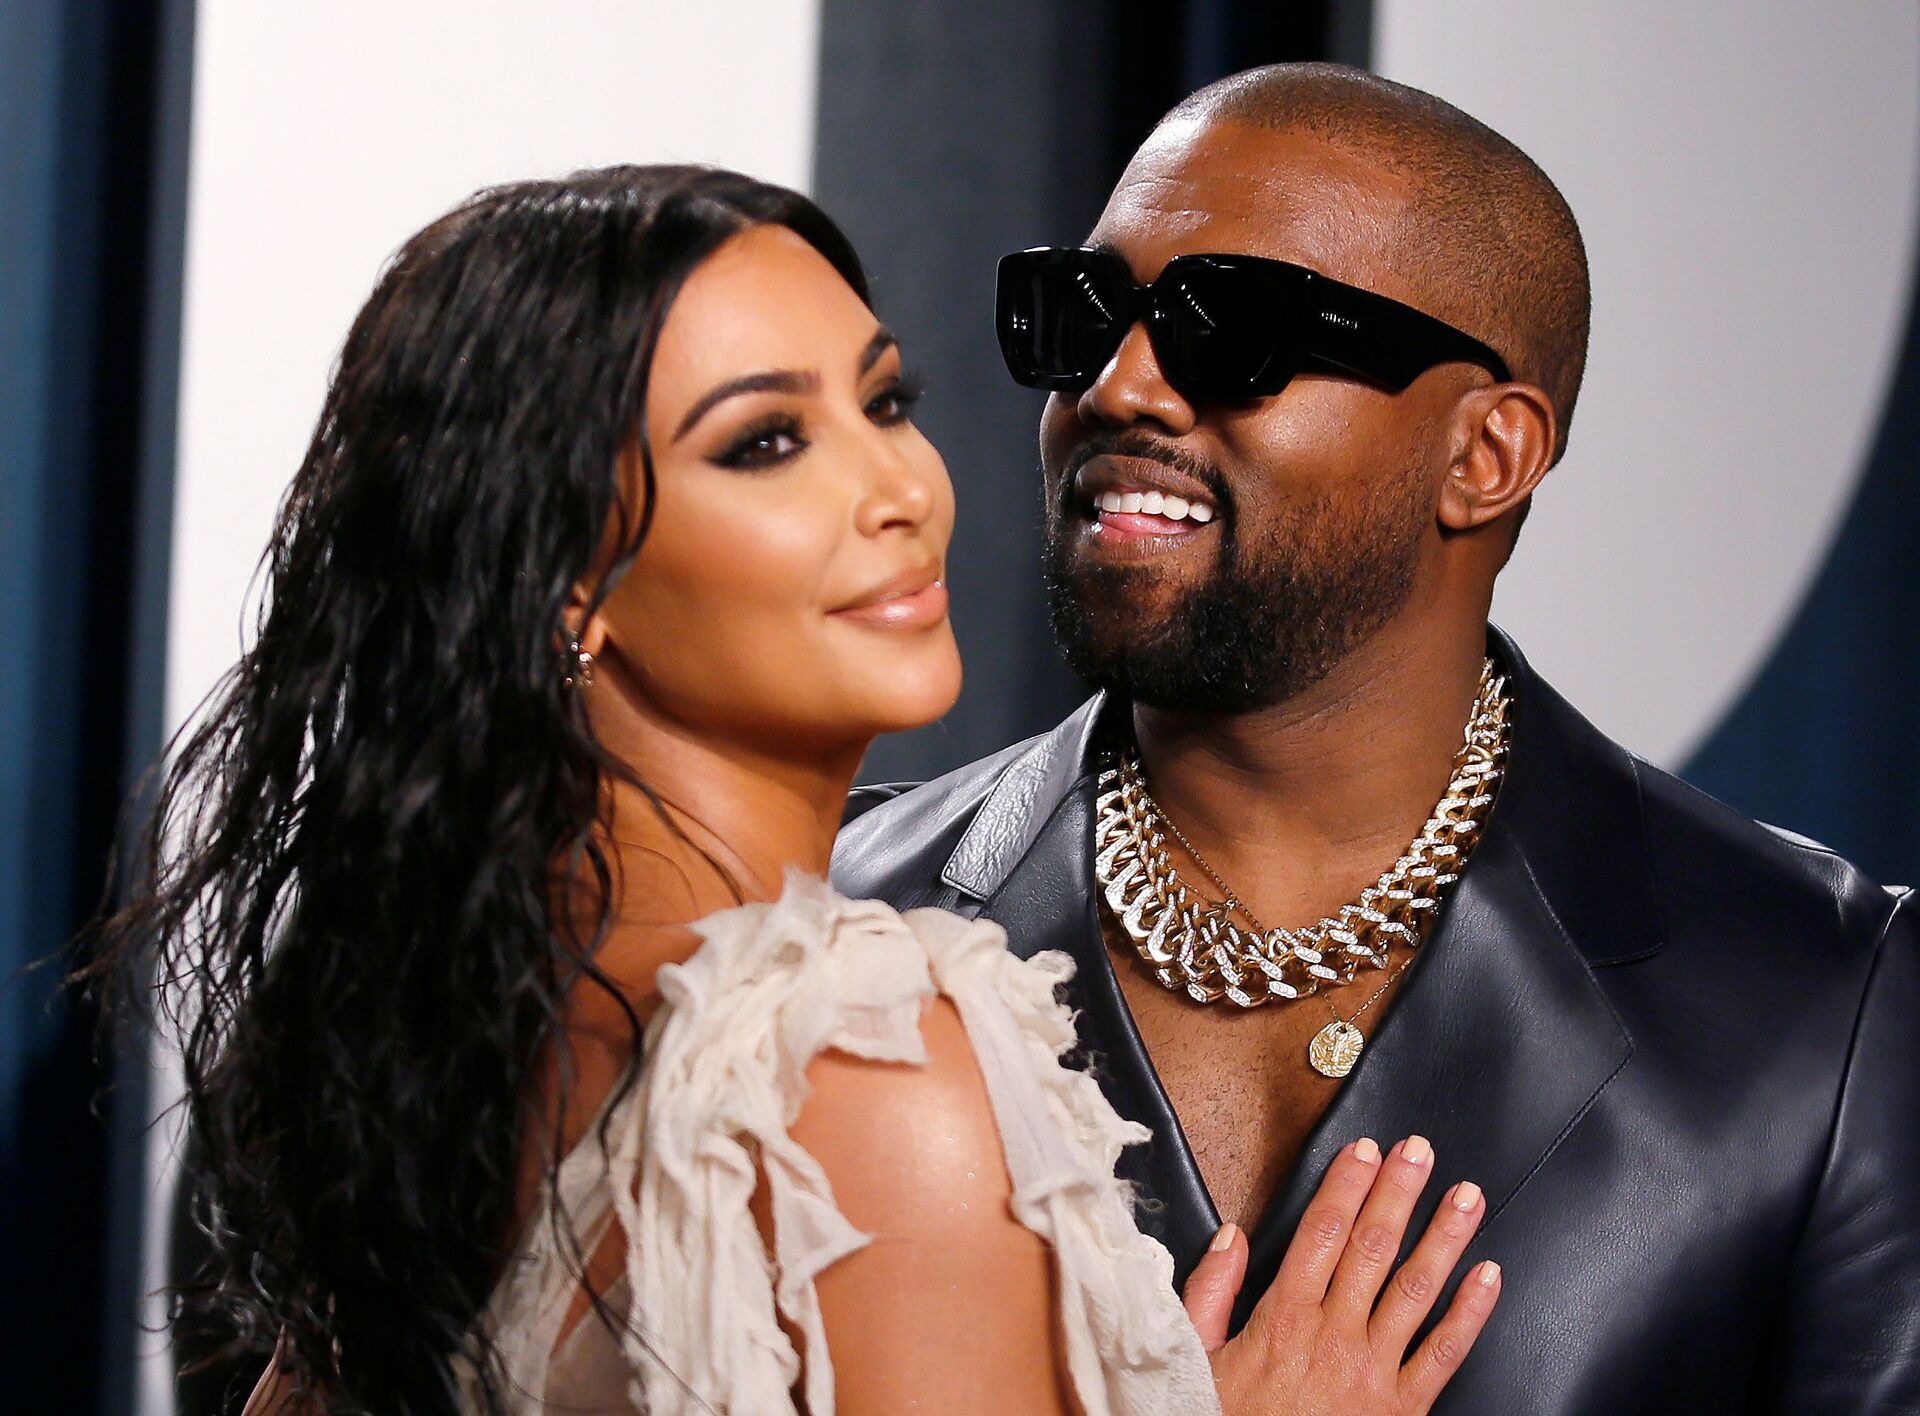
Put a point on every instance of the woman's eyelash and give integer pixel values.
(774, 439)
(765, 442)
(904, 393)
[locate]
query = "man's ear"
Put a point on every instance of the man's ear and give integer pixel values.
(1504, 439)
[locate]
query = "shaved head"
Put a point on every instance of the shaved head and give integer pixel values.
(1484, 239)
(1347, 514)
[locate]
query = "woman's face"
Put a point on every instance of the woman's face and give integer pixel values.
(791, 591)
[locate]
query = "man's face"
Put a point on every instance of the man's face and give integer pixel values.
(1323, 495)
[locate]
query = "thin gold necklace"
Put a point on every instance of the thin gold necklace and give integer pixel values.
(1337, 1046)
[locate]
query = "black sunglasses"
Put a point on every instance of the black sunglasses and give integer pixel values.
(1224, 328)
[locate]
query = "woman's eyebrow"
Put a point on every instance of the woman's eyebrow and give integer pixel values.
(777, 381)
(768, 381)
(881, 342)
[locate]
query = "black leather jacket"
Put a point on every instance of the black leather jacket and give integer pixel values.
(1679, 1050)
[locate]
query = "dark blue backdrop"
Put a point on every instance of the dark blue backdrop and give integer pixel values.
(1826, 740)
(86, 406)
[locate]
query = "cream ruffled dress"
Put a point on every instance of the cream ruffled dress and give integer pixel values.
(724, 1076)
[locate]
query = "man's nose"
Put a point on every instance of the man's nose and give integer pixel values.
(1132, 389)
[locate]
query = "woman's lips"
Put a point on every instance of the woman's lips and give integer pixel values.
(914, 609)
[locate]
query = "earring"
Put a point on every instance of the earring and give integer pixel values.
(580, 671)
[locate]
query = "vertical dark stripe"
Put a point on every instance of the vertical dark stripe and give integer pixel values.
(951, 132)
(1349, 38)
(83, 114)
(1225, 36)
(51, 1157)
(153, 431)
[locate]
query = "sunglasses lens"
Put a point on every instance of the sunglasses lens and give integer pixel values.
(1059, 321)
(1226, 333)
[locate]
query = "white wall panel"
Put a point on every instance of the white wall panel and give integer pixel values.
(324, 133)
(1747, 173)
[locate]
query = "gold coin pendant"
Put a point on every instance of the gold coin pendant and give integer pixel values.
(1335, 1048)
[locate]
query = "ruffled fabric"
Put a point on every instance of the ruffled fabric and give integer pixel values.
(1130, 1347)
(724, 1077)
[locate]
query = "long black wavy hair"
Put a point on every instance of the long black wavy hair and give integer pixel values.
(346, 882)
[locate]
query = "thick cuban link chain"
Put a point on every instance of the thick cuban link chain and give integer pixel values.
(1194, 945)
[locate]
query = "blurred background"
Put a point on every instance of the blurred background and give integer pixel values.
(194, 199)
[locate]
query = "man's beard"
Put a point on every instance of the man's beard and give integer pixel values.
(1268, 621)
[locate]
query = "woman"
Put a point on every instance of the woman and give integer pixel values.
(613, 550)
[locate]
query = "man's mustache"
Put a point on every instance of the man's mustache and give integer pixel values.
(1131, 442)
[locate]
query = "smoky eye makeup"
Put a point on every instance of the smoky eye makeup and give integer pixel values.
(894, 401)
(765, 442)
(778, 437)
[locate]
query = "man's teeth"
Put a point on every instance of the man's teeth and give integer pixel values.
(1156, 504)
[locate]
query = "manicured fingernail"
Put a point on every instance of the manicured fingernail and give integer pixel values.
(1364, 1149)
(1466, 1195)
(1223, 1241)
(1416, 1150)
(1489, 1274)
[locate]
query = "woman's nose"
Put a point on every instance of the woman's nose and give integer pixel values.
(898, 492)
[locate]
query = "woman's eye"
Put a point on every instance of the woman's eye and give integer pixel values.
(895, 403)
(763, 444)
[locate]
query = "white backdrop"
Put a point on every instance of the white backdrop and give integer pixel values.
(327, 131)
(1747, 174)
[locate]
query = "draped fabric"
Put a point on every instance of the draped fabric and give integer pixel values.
(702, 1302)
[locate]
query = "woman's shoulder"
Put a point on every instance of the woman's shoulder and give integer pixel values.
(816, 974)
(983, 1181)
(914, 1159)
(806, 1068)
(870, 1110)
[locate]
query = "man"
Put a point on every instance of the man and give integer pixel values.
(1677, 1050)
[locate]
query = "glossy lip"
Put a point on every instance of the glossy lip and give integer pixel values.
(913, 599)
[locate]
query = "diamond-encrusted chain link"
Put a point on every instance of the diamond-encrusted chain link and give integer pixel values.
(1193, 944)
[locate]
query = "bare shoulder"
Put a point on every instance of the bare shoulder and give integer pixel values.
(953, 1295)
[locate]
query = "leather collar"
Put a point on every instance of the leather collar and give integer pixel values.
(1500, 1038)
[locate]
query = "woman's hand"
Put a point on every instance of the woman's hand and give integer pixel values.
(1326, 1338)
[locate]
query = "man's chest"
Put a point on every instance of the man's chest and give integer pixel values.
(1239, 1081)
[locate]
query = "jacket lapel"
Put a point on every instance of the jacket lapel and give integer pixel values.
(1046, 903)
(1500, 1037)
(1498, 1042)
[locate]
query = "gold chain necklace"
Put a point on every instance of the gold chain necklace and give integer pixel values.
(1336, 1047)
(1194, 946)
